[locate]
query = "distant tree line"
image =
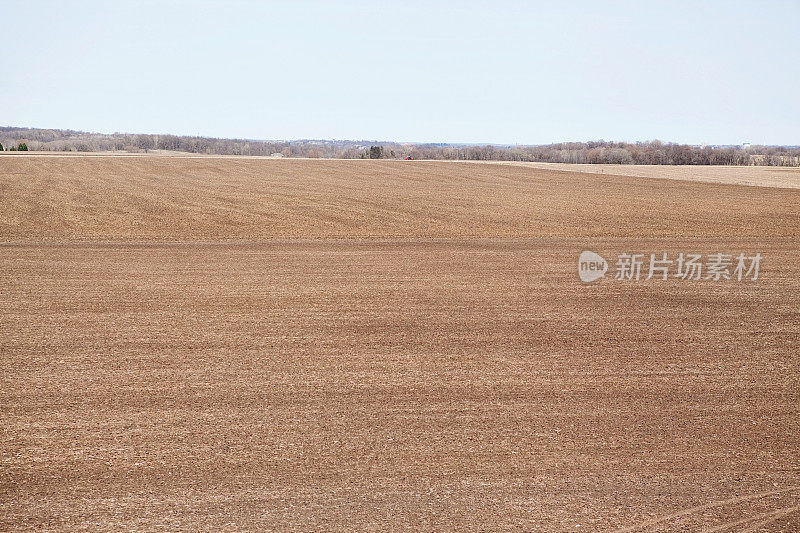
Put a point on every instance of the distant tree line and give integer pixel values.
(21, 147)
(641, 153)
(602, 152)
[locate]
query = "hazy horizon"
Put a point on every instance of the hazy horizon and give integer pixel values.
(389, 141)
(510, 74)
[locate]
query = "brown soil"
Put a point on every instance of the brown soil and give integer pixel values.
(252, 344)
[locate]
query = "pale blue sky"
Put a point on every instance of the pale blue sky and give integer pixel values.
(500, 72)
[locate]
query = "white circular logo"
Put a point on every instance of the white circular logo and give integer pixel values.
(591, 266)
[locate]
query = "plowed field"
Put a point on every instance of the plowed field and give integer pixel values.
(249, 344)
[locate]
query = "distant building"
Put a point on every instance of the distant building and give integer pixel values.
(745, 146)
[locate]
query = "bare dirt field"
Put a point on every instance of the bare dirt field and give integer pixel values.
(784, 177)
(250, 344)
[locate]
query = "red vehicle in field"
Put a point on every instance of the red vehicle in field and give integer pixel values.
(409, 158)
